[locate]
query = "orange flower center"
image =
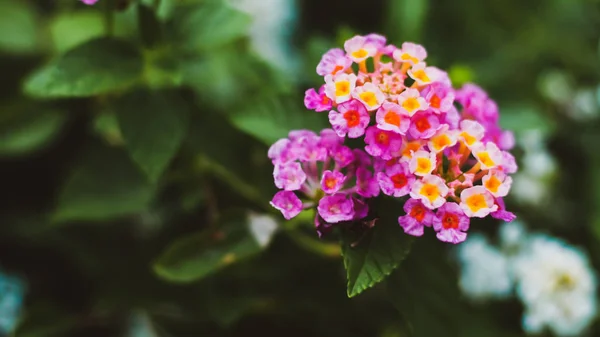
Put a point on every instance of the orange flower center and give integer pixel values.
(492, 184)
(330, 182)
(352, 118)
(450, 221)
(382, 138)
(392, 118)
(422, 124)
(435, 102)
(418, 213)
(336, 69)
(399, 180)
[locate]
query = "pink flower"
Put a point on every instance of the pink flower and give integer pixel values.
(502, 213)
(369, 95)
(288, 203)
(359, 48)
(332, 182)
(451, 223)
(366, 184)
(339, 87)
(89, 2)
(342, 155)
(330, 139)
(376, 40)
(477, 202)
(381, 143)
(439, 97)
(488, 155)
(417, 217)
(509, 163)
(443, 139)
(396, 181)
(431, 190)
(332, 62)
(411, 101)
(471, 132)
(276, 150)
(351, 118)
(411, 53)
(424, 75)
(424, 125)
(317, 101)
(497, 183)
(336, 208)
(392, 117)
(289, 176)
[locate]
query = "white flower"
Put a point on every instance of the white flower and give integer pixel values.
(484, 270)
(512, 236)
(557, 286)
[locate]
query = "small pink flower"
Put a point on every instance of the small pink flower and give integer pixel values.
(431, 190)
(392, 117)
(439, 97)
(396, 181)
(417, 217)
(509, 163)
(497, 183)
(422, 163)
(289, 176)
(424, 75)
(359, 48)
(411, 52)
(366, 184)
(502, 213)
(332, 182)
(339, 87)
(288, 203)
(451, 223)
(369, 95)
(411, 101)
(351, 118)
(89, 2)
(477, 202)
(471, 132)
(443, 139)
(488, 155)
(342, 155)
(376, 40)
(423, 125)
(336, 208)
(382, 143)
(330, 139)
(332, 62)
(276, 150)
(317, 101)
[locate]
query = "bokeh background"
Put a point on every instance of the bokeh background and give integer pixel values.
(134, 182)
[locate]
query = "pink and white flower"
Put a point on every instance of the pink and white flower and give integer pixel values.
(431, 190)
(497, 183)
(417, 217)
(392, 117)
(396, 181)
(410, 52)
(411, 101)
(451, 223)
(423, 125)
(339, 87)
(359, 48)
(351, 118)
(332, 62)
(370, 95)
(422, 163)
(477, 202)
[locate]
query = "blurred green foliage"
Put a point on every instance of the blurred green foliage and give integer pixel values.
(133, 139)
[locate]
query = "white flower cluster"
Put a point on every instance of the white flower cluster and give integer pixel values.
(553, 280)
(531, 184)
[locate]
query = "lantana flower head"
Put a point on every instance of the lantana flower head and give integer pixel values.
(399, 129)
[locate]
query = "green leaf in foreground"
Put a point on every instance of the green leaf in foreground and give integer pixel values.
(153, 125)
(29, 130)
(106, 184)
(198, 255)
(369, 259)
(97, 67)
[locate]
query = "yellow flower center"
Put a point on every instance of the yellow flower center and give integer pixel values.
(440, 142)
(430, 191)
(470, 140)
(368, 97)
(411, 104)
(476, 202)
(492, 184)
(408, 57)
(421, 76)
(485, 159)
(423, 166)
(361, 53)
(342, 88)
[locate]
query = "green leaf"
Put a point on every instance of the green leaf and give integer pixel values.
(97, 67)
(70, 29)
(105, 185)
(198, 255)
(207, 26)
(30, 129)
(18, 27)
(369, 259)
(153, 125)
(270, 117)
(150, 27)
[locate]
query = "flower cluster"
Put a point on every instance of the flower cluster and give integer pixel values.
(440, 147)
(554, 280)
